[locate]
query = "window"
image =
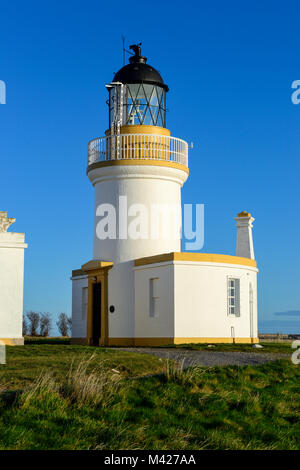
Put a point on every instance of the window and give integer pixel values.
(154, 297)
(142, 104)
(145, 105)
(84, 303)
(233, 297)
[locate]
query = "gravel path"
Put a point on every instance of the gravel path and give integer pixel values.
(209, 358)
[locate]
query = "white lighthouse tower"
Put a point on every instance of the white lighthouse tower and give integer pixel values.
(137, 167)
(139, 288)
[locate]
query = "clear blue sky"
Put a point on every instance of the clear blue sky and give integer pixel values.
(229, 66)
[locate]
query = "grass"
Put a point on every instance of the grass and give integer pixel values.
(25, 363)
(268, 347)
(72, 397)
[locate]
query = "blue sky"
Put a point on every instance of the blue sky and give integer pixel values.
(229, 66)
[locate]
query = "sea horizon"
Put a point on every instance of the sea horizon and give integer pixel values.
(281, 326)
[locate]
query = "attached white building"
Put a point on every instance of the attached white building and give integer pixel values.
(139, 288)
(12, 246)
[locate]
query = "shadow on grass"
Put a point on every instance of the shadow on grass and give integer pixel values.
(48, 340)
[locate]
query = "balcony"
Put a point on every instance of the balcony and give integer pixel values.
(138, 147)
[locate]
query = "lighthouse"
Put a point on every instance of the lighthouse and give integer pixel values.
(140, 288)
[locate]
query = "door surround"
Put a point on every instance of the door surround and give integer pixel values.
(97, 272)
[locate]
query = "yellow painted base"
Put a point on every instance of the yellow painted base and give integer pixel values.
(140, 341)
(216, 340)
(138, 161)
(12, 341)
(127, 342)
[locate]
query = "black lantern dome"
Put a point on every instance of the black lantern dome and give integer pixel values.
(138, 71)
(143, 93)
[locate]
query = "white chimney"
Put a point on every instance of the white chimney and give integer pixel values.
(244, 241)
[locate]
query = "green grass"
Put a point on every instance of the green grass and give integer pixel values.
(70, 400)
(25, 363)
(268, 347)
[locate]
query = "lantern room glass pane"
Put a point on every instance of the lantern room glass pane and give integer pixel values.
(145, 105)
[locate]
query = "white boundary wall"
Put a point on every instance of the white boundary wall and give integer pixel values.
(12, 246)
(79, 316)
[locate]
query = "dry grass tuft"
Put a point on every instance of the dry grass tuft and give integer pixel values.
(175, 371)
(80, 386)
(41, 387)
(90, 388)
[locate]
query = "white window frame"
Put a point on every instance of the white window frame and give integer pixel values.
(233, 296)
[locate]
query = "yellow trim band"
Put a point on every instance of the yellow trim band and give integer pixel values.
(142, 129)
(95, 265)
(197, 257)
(216, 340)
(138, 161)
(130, 342)
(12, 341)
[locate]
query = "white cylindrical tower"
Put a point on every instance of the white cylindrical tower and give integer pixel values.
(137, 169)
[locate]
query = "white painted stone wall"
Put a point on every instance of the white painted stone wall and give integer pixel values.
(193, 300)
(162, 325)
(120, 295)
(142, 184)
(201, 300)
(79, 317)
(12, 247)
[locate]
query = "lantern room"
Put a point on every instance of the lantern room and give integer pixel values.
(137, 94)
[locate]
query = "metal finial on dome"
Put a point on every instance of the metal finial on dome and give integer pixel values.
(137, 71)
(137, 57)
